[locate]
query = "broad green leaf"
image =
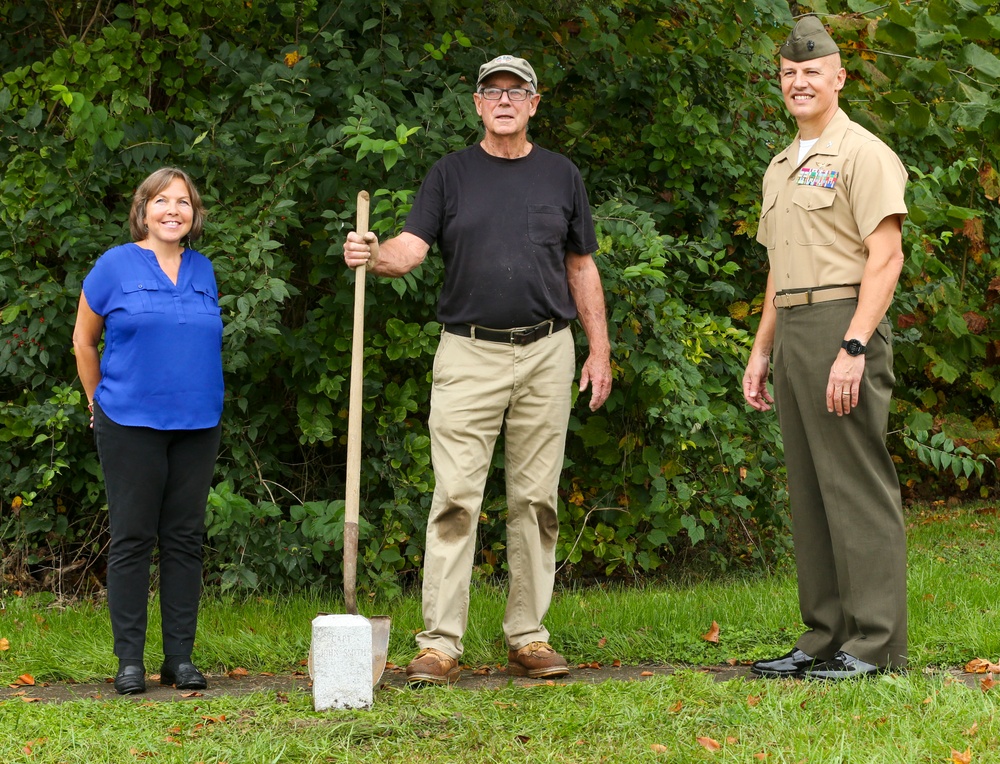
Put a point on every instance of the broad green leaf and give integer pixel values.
(982, 60)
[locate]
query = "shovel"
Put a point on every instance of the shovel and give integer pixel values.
(352, 500)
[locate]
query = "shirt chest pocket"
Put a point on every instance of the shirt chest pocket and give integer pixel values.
(547, 225)
(207, 299)
(140, 297)
(815, 215)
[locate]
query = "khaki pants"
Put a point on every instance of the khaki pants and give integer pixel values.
(480, 386)
(847, 519)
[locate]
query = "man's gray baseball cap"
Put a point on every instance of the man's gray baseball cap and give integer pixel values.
(511, 64)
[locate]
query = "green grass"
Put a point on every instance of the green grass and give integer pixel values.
(921, 716)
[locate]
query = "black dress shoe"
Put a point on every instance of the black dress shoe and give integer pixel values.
(789, 665)
(843, 666)
(185, 677)
(130, 680)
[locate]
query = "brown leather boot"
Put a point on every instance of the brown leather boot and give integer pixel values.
(433, 667)
(535, 661)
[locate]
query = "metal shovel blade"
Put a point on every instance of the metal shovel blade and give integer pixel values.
(380, 645)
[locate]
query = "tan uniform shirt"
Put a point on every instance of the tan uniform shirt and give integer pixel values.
(816, 215)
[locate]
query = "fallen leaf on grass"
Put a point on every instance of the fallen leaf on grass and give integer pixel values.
(4, 644)
(31, 744)
(676, 707)
(26, 699)
(602, 641)
(712, 635)
(709, 744)
(657, 748)
(987, 683)
(981, 666)
(238, 673)
(760, 756)
(971, 732)
(25, 680)
(616, 663)
(753, 700)
(961, 758)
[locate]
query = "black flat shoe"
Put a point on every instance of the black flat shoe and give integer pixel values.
(790, 665)
(844, 666)
(130, 680)
(185, 677)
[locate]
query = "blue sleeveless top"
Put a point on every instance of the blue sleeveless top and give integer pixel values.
(162, 360)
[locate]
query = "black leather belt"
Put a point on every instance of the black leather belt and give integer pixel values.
(522, 336)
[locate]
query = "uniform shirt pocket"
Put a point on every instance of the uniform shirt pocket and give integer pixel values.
(140, 297)
(547, 225)
(815, 218)
(208, 301)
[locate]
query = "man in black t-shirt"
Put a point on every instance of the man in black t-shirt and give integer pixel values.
(513, 224)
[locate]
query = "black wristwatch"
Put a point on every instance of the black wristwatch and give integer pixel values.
(853, 347)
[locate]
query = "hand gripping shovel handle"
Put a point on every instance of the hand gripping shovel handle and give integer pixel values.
(352, 499)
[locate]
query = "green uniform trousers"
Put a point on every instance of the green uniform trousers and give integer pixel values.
(847, 518)
(480, 387)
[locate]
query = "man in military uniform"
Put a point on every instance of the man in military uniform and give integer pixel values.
(831, 220)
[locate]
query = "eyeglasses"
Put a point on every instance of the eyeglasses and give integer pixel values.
(514, 94)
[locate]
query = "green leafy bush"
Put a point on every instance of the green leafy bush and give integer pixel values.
(284, 111)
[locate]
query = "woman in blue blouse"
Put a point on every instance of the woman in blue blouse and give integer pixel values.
(156, 401)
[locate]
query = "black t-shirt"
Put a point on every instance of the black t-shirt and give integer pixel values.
(504, 227)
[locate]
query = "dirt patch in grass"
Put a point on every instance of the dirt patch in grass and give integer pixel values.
(473, 678)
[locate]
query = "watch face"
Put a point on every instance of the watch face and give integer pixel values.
(853, 347)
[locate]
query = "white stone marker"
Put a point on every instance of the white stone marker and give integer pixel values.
(341, 662)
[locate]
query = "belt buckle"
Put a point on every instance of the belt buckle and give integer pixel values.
(521, 336)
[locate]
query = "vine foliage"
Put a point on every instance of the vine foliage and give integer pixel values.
(283, 111)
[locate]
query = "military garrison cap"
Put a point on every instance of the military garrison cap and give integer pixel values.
(808, 40)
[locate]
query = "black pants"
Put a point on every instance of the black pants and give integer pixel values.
(157, 484)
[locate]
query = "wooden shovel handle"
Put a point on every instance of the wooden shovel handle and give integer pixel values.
(352, 498)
